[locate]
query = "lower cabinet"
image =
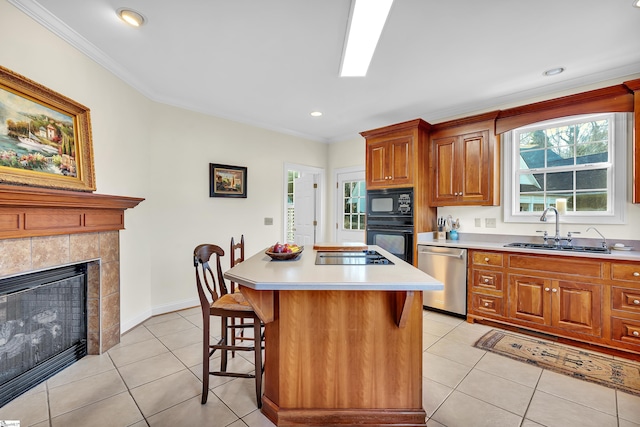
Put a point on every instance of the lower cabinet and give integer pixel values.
(592, 300)
(567, 305)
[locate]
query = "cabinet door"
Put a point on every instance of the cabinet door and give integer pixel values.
(376, 155)
(577, 307)
(400, 160)
(475, 167)
(529, 299)
(389, 163)
(444, 183)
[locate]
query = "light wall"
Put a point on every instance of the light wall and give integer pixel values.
(183, 213)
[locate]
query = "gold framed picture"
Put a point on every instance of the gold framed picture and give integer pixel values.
(45, 137)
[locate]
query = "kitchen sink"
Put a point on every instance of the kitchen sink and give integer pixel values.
(570, 248)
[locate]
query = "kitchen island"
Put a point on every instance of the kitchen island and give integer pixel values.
(343, 343)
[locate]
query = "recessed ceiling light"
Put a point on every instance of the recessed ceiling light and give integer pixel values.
(131, 17)
(554, 71)
(316, 113)
(636, 3)
(366, 24)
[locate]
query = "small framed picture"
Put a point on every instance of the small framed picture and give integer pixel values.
(227, 181)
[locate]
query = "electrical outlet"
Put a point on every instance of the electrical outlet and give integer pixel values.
(268, 221)
(490, 222)
(478, 222)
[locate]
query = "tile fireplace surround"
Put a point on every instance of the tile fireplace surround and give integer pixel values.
(42, 229)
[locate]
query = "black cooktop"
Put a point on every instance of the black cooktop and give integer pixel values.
(351, 258)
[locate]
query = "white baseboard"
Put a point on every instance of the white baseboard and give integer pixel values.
(155, 311)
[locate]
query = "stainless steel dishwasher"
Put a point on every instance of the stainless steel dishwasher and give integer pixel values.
(448, 265)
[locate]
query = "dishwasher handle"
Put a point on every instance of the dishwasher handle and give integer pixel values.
(447, 254)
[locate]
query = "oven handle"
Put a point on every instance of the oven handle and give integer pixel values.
(390, 229)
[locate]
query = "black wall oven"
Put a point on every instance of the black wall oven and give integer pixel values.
(390, 221)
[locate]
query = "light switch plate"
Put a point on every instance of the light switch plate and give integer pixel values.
(490, 222)
(478, 222)
(268, 221)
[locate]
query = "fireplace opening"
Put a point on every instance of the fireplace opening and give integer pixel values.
(43, 326)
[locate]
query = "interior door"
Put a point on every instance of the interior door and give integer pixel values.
(351, 207)
(304, 210)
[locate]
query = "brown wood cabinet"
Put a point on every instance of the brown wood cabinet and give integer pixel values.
(388, 163)
(591, 300)
(465, 163)
(572, 306)
(397, 156)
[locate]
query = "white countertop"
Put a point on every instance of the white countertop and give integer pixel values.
(261, 273)
(496, 243)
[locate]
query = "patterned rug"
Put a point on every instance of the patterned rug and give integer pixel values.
(614, 373)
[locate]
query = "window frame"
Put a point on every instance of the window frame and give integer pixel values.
(617, 173)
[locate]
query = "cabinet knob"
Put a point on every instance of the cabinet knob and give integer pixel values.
(636, 274)
(486, 280)
(486, 260)
(455, 194)
(554, 290)
(546, 289)
(486, 304)
(636, 333)
(636, 301)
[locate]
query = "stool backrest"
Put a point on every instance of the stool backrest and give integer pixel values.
(237, 251)
(210, 286)
(237, 255)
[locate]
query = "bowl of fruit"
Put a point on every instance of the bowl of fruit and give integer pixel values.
(286, 251)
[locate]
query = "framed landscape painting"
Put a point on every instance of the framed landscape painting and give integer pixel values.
(45, 137)
(227, 181)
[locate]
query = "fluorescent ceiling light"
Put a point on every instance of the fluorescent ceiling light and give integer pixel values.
(316, 113)
(367, 21)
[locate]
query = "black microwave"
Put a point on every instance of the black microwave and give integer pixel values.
(395, 202)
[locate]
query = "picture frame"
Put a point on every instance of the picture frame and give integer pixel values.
(227, 181)
(45, 137)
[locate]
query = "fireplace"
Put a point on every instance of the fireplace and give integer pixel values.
(42, 230)
(43, 326)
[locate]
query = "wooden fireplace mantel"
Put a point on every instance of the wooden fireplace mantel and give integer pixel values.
(30, 211)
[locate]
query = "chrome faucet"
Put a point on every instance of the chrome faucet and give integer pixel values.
(604, 241)
(543, 218)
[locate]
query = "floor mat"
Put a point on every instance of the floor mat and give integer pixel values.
(615, 373)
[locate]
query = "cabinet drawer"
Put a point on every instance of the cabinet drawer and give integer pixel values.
(557, 264)
(487, 280)
(487, 258)
(625, 330)
(625, 299)
(626, 272)
(486, 304)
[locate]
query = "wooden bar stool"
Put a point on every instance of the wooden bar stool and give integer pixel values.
(216, 300)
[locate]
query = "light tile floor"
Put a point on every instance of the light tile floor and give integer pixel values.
(152, 378)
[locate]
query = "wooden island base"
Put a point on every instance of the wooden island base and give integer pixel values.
(341, 358)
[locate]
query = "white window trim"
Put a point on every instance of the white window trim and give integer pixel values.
(619, 184)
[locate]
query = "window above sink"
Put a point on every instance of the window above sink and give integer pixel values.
(580, 158)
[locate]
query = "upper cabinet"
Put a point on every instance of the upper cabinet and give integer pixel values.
(396, 155)
(465, 162)
(388, 163)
